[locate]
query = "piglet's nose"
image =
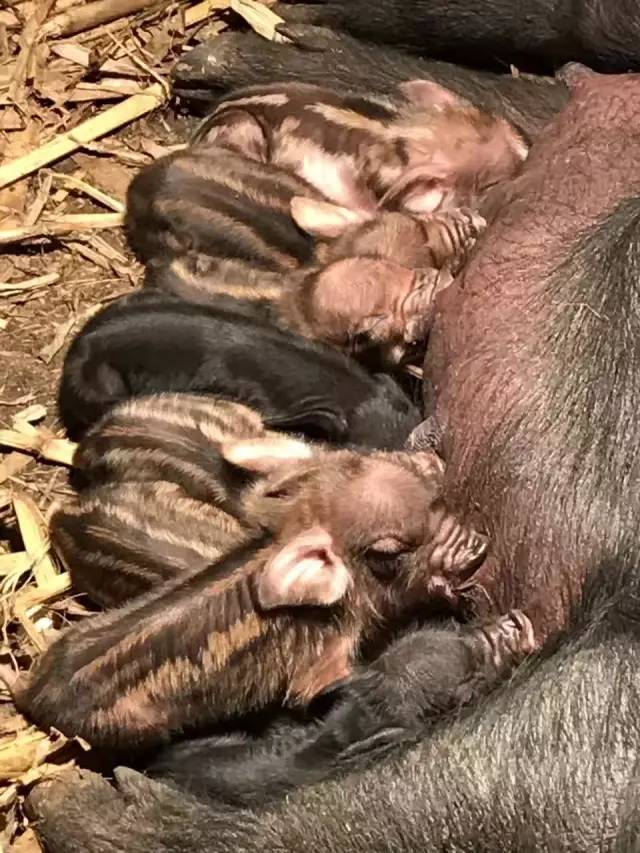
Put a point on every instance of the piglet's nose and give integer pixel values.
(471, 556)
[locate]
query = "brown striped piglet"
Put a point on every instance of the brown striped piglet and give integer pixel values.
(216, 229)
(422, 150)
(208, 200)
(120, 540)
(157, 498)
(168, 437)
(372, 289)
(353, 546)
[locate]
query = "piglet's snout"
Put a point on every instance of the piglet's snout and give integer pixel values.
(457, 550)
(417, 308)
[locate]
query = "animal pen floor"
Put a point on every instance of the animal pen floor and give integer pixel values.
(57, 267)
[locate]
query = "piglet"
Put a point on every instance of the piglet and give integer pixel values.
(425, 149)
(211, 200)
(372, 290)
(151, 342)
(120, 540)
(167, 437)
(351, 546)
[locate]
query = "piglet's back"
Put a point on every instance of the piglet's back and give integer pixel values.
(149, 343)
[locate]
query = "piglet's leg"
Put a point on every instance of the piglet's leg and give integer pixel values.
(418, 307)
(499, 645)
(435, 670)
(422, 677)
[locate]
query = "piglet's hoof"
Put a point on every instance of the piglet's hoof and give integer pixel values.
(506, 641)
(426, 436)
(573, 73)
(417, 308)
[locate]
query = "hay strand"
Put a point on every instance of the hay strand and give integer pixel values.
(40, 443)
(260, 18)
(36, 543)
(79, 19)
(70, 141)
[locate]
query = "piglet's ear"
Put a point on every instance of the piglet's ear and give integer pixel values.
(306, 571)
(420, 191)
(424, 198)
(264, 455)
(430, 95)
(323, 219)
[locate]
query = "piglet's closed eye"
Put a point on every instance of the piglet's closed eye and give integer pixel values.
(306, 571)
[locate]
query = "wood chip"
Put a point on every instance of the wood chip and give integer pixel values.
(200, 12)
(98, 195)
(30, 283)
(13, 464)
(79, 19)
(62, 225)
(26, 843)
(40, 443)
(31, 33)
(15, 564)
(260, 18)
(62, 332)
(42, 196)
(68, 142)
(36, 543)
(30, 415)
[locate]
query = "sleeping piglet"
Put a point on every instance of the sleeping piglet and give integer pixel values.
(373, 285)
(352, 545)
(424, 150)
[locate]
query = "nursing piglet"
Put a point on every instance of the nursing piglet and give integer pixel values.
(353, 546)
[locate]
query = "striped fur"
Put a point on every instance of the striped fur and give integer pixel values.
(121, 540)
(172, 437)
(206, 646)
(359, 151)
(191, 653)
(210, 200)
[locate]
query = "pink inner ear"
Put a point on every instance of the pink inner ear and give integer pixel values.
(421, 200)
(306, 571)
(264, 455)
(426, 93)
(323, 219)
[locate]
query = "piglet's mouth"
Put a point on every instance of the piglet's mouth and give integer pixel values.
(417, 307)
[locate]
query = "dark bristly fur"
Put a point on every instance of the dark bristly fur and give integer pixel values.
(327, 58)
(420, 679)
(533, 362)
(360, 544)
(543, 35)
(549, 762)
(150, 343)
